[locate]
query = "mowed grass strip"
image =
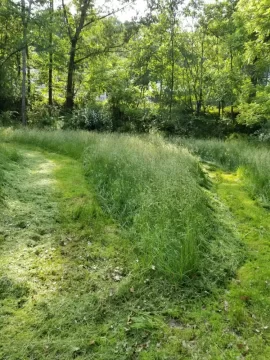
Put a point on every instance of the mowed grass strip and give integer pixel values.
(250, 157)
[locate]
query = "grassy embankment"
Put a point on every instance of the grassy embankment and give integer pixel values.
(152, 189)
(81, 285)
(250, 159)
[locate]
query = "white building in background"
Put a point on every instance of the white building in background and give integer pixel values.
(102, 97)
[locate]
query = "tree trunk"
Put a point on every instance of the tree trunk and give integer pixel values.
(222, 108)
(50, 87)
(232, 114)
(28, 74)
(172, 60)
(18, 58)
(71, 68)
(24, 67)
(73, 47)
(200, 101)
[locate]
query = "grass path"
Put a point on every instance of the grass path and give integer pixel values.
(67, 288)
(28, 223)
(238, 325)
(59, 260)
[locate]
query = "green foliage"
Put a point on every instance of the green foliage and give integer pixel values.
(258, 111)
(93, 117)
(44, 116)
(7, 118)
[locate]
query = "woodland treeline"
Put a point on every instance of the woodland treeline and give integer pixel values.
(184, 68)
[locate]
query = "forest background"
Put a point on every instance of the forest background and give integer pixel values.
(189, 68)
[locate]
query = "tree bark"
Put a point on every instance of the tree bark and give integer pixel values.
(172, 60)
(50, 87)
(28, 73)
(71, 68)
(24, 66)
(25, 18)
(73, 47)
(232, 112)
(200, 100)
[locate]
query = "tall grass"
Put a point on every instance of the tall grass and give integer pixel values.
(7, 156)
(152, 189)
(253, 159)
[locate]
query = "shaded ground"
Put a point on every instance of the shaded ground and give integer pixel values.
(67, 288)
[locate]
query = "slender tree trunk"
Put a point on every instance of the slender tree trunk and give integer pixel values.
(71, 68)
(28, 74)
(218, 70)
(24, 66)
(25, 18)
(172, 61)
(18, 58)
(200, 100)
(50, 87)
(161, 91)
(222, 108)
(232, 113)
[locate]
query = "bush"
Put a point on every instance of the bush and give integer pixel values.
(44, 116)
(7, 118)
(90, 118)
(263, 135)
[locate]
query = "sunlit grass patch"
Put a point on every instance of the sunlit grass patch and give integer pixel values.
(250, 159)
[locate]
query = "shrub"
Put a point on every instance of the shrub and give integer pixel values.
(7, 118)
(90, 118)
(44, 116)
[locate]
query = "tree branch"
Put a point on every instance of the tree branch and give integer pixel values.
(103, 17)
(10, 55)
(98, 52)
(66, 19)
